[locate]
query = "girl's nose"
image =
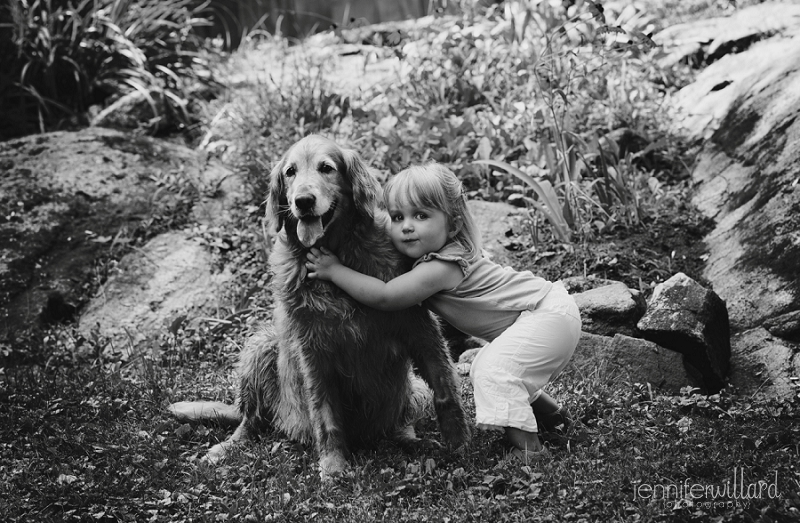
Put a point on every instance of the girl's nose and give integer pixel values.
(408, 226)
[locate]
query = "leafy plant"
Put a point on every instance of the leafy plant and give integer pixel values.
(547, 203)
(528, 85)
(71, 54)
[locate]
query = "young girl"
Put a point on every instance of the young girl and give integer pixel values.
(531, 324)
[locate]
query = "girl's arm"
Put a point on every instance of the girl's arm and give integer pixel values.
(402, 292)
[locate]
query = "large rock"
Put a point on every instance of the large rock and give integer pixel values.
(71, 198)
(746, 109)
(686, 317)
(711, 38)
(763, 366)
(632, 360)
(611, 309)
(171, 279)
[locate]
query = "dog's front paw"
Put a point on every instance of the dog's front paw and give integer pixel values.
(455, 429)
(406, 436)
(332, 465)
(458, 437)
(216, 454)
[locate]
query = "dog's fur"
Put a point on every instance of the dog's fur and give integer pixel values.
(333, 371)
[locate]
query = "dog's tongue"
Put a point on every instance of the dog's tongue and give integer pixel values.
(309, 231)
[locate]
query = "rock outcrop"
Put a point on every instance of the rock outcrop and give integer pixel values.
(763, 366)
(71, 198)
(744, 109)
(171, 279)
(710, 39)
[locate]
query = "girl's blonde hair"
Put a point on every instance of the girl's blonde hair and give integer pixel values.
(435, 186)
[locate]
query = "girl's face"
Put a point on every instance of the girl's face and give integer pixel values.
(415, 231)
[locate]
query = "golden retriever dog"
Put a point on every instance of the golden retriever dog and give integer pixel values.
(330, 370)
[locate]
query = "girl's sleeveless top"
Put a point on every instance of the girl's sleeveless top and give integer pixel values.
(489, 298)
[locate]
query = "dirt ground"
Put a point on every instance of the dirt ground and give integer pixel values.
(640, 259)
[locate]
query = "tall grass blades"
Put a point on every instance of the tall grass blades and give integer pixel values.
(67, 55)
(547, 201)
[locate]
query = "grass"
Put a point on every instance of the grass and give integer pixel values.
(87, 438)
(92, 441)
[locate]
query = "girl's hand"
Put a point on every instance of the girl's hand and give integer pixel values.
(321, 263)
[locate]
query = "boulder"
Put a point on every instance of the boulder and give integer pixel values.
(684, 316)
(171, 279)
(618, 357)
(73, 197)
(637, 360)
(763, 367)
(591, 354)
(745, 108)
(611, 309)
(632, 360)
(709, 39)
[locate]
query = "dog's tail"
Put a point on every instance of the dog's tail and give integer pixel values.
(222, 413)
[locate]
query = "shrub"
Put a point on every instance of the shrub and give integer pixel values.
(67, 55)
(524, 93)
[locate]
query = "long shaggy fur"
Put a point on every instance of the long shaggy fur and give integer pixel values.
(330, 370)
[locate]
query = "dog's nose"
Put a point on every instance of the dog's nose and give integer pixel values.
(305, 202)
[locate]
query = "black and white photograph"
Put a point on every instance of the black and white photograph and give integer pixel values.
(398, 261)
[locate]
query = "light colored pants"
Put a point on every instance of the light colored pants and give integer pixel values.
(509, 373)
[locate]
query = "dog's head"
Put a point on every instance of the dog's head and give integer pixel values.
(315, 183)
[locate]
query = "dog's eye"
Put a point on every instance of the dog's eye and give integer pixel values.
(291, 171)
(326, 168)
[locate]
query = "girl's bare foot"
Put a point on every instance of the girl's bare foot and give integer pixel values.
(523, 440)
(528, 457)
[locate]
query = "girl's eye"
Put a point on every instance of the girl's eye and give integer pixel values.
(291, 171)
(397, 217)
(421, 216)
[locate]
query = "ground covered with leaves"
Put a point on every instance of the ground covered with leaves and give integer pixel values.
(93, 443)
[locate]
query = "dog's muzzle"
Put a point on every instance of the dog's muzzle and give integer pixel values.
(310, 227)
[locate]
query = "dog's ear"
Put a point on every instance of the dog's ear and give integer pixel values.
(276, 199)
(366, 190)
